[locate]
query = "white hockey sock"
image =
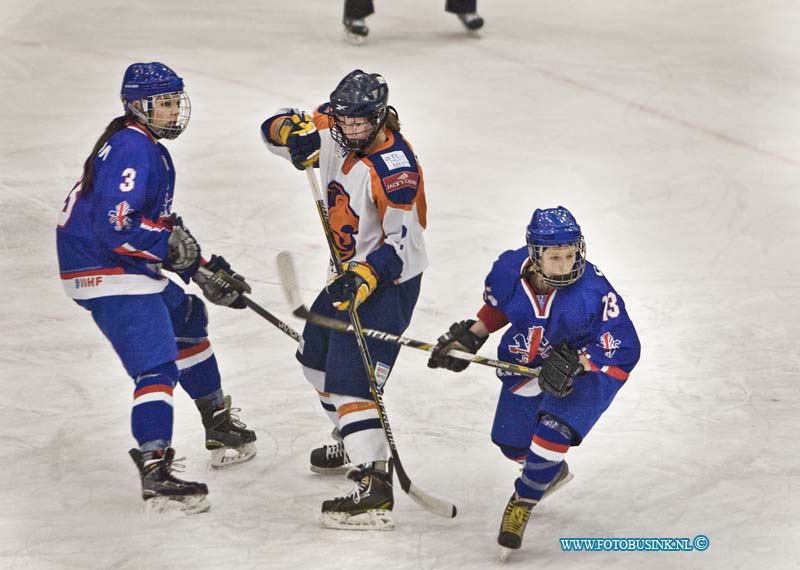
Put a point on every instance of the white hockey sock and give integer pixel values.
(360, 425)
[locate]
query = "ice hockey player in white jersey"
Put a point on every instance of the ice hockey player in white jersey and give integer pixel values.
(376, 206)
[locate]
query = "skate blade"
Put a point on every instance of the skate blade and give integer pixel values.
(187, 504)
(331, 470)
(374, 519)
(354, 39)
(225, 457)
(553, 488)
(505, 553)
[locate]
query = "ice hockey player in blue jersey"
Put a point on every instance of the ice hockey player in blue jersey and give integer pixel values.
(115, 235)
(377, 213)
(566, 318)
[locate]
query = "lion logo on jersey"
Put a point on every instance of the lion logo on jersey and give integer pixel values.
(343, 221)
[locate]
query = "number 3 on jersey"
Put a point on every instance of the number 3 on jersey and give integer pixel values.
(128, 177)
(610, 306)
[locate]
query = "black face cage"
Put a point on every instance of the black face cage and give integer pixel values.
(147, 114)
(535, 252)
(337, 132)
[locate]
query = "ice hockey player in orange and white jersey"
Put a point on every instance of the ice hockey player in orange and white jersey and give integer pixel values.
(377, 211)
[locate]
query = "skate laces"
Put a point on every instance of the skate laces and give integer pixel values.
(360, 486)
(230, 416)
(335, 451)
(234, 418)
(168, 465)
(516, 518)
(174, 465)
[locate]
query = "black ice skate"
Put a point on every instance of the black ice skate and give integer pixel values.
(330, 459)
(227, 437)
(355, 30)
(368, 506)
(161, 490)
(512, 527)
(472, 21)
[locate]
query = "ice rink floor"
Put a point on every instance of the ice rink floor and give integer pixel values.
(670, 129)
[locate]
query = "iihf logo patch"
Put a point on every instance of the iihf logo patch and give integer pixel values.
(120, 216)
(609, 344)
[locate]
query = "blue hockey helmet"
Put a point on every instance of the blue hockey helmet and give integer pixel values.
(555, 227)
(153, 93)
(359, 94)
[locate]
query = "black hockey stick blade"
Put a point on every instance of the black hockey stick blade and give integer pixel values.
(431, 504)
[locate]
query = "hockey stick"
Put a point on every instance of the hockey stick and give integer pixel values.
(431, 504)
(261, 311)
(299, 310)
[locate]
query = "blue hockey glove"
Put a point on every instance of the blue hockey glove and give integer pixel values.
(458, 337)
(357, 281)
(220, 284)
(301, 137)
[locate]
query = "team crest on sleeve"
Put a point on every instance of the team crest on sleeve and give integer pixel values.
(609, 344)
(396, 159)
(527, 348)
(343, 221)
(120, 216)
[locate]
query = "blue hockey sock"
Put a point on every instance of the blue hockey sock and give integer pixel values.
(546, 454)
(199, 373)
(152, 414)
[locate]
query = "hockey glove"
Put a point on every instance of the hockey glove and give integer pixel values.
(458, 337)
(183, 251)
(301, 137)
(222, 285)
(559, 370)
(357, 281)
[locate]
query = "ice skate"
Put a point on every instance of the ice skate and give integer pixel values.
(228, 438)
(512, 527)
(355, 30)
(330, 459)
(161, 490)
(472, 21)
(368, 506)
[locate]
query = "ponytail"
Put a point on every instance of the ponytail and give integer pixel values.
(88, 167)
(392, 120)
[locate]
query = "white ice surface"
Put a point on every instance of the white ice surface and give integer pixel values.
(671, 129)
